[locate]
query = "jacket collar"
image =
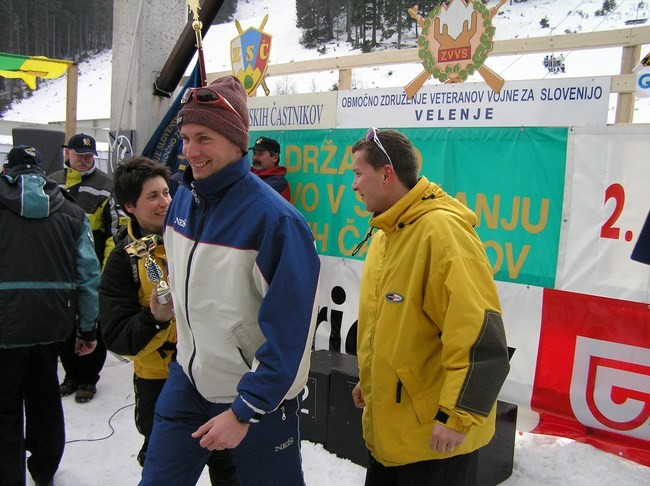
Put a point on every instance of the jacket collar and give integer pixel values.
(132, 232)
(424, 198)
(389, 219)
(82, 174)
(276, 170)
(217, 183)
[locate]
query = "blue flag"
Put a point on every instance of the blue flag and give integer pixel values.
(165, 145)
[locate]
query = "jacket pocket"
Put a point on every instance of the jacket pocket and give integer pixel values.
(422, 405)
(247, 338)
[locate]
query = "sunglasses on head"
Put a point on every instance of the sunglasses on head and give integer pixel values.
(205, 96)
(372, 135)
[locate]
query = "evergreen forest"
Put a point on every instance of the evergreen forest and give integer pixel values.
(60, 29)
(76, 29)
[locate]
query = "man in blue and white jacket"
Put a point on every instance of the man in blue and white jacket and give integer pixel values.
(244, 273)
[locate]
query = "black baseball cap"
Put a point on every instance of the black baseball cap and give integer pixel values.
(82, 144)
(23, 155)
(269, 144)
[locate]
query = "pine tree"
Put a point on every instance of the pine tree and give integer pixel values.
(70, 29)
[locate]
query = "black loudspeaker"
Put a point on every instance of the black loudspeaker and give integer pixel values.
(344, 431)
(495, 460)
(316, 401)
(313, 421)
(48, 142)
(330, 412)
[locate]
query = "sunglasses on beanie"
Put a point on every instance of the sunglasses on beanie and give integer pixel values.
(205, 96)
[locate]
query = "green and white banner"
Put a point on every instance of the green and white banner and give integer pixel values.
(513, 178)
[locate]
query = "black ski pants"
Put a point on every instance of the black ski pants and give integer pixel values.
(83, 369)
(31, 383)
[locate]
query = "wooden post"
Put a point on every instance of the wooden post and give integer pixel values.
(345, 79)
(625, 104)
(71, 101)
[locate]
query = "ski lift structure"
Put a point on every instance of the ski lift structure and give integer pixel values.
(554, 64)
(638, 14)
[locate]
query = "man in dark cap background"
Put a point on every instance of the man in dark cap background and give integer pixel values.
(266, 165)
(92, 190)
(48, 259)
(243, 271)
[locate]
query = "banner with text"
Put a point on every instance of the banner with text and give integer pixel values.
(513, 179)
(538, 103)
(593, 372)
(296, 111)
(605, 207)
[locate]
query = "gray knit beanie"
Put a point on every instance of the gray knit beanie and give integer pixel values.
(218, 118)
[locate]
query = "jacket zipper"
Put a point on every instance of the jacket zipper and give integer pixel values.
(187, 281)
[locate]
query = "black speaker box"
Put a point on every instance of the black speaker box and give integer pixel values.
(344, 432)
(316, 401)
(48, 142)
(330, 413)
(495, 460)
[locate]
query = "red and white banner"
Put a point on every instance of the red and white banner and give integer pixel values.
(593, 372)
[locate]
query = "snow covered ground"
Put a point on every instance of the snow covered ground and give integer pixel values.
(102, 439)
(102, 444)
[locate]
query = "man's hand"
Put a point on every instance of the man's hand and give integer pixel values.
(82, 348)
(160, 312)
(357, 397)
(221, 432)
(444, 439)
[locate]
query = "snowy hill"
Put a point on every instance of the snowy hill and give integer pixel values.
(514, 20)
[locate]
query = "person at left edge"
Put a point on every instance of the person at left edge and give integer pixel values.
(92, 191)
(48, 284)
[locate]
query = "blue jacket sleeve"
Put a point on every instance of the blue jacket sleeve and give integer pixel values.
(88, 277)
(289, 264)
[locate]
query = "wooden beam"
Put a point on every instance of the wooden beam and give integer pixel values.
(623, 83)
(71, 101)
(345, 79)
(571, 42)
(625, 103)
(592, 40)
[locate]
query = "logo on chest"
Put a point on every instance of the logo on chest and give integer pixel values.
(394, 297)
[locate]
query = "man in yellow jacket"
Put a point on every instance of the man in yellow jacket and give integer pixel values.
(431, 344)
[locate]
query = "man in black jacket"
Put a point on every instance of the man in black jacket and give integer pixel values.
(49, 281)
(92, 190)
